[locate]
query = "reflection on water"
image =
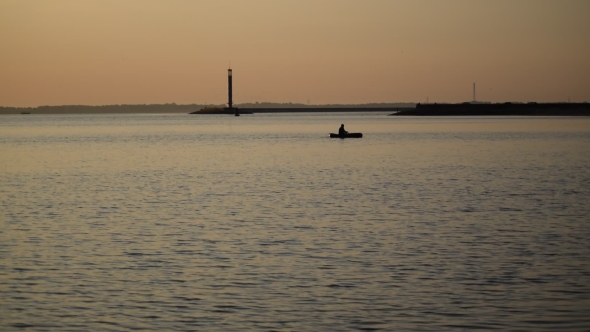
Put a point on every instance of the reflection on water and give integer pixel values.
(177, 222)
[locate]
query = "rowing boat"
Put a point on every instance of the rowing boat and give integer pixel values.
(348, 135)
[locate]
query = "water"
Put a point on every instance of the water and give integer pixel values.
(218, 223)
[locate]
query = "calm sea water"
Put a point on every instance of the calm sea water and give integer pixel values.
(262, 223)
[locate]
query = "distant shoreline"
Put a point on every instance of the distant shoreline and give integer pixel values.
(190, 108)
(400, 109)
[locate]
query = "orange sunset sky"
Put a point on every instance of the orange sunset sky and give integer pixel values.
(318, 51)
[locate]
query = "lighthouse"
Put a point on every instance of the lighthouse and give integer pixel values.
(229, 92)
(229, 88)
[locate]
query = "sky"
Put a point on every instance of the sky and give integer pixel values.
(103, 52)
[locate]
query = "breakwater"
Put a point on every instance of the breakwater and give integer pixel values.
(323, 109)
(302, 110)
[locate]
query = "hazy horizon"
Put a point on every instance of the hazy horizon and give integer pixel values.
(308, 52)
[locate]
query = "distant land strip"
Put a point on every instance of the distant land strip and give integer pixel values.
(396, 109)
(498, 109)
(189, 108)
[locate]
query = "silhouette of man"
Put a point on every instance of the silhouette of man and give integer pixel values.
(341, 131)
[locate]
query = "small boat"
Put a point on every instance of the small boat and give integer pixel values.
(25, 112)
(348, 135)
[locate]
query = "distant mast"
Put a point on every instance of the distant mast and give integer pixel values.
(474, 92)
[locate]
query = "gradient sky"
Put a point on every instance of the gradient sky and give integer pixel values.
(318, 51)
